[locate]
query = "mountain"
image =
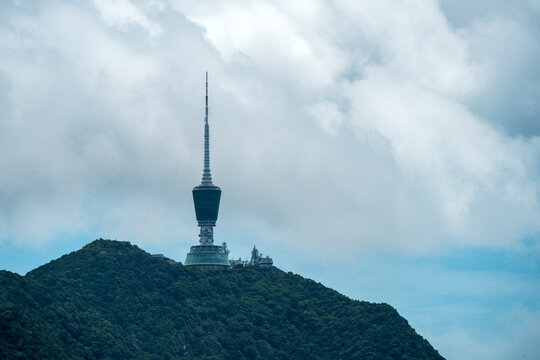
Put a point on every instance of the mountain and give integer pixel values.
(112, 300)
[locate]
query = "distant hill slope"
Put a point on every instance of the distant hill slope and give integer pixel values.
(111, 300)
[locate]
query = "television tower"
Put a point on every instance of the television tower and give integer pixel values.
(206, 197)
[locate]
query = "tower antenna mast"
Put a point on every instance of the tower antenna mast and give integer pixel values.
(207, 176)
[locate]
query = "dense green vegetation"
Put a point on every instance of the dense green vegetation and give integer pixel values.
(111, 300)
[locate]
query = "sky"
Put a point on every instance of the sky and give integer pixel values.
(387, 149)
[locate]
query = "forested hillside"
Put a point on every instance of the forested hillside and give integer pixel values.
(111, 300)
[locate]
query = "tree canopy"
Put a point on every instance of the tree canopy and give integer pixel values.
(112, 300)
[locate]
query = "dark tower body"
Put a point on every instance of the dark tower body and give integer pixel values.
(206, 197)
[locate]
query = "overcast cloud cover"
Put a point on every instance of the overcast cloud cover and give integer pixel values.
(389, 149)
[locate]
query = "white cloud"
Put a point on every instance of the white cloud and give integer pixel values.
(353, 122)
(403, 83)
(78, 123)
(277, 38)
(123, 14)
(464, 163)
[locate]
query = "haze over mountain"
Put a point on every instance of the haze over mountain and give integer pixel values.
(111, 300)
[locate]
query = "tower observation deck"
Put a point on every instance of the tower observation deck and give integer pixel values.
(206, 197)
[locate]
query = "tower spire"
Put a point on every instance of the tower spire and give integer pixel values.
(206, 177)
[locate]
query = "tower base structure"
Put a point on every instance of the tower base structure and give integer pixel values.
(208, 257)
